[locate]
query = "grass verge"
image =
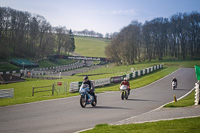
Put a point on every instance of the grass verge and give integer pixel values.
(187, 125)
(185, 102)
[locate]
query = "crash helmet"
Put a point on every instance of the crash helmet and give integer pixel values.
(85, 78)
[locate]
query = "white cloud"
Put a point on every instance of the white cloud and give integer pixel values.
(130, 12)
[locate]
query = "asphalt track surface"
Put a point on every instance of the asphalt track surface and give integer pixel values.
(66, 115)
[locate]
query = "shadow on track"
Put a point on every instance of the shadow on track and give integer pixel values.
(181, 89)
(137, 100)
(107, 107)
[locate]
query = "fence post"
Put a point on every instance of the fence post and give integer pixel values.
(33, 91)
(53, 89)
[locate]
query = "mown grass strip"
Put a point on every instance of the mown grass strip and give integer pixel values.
(187, 125)
(185, 102)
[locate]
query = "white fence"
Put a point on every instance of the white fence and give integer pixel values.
(74, 86)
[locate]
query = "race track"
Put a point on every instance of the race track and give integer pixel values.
(66, 115)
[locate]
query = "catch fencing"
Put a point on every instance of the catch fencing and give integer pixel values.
(74, 86)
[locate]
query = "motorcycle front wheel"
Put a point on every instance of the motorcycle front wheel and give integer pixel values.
(82, 101)
(173, 88)
(122, 95)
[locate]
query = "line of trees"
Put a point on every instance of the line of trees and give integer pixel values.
(86, 32)
(177, 36)
(24, 34)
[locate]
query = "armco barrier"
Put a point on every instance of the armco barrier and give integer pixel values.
(74, 86)
(7, 93)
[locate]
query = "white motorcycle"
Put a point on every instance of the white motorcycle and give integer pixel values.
(124, 92)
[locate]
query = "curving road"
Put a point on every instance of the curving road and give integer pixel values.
(65, 115)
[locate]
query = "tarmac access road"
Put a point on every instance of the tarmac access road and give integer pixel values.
(66, 115)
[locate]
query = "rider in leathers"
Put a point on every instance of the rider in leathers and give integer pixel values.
(91, 86)
(125, 82)
(175, 80)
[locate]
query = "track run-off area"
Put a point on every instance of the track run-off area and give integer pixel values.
(65, 115)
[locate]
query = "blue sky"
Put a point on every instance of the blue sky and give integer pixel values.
(104, 16)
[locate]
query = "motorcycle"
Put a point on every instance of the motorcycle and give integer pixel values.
(173, 85)
(124, 92)
(86, 98)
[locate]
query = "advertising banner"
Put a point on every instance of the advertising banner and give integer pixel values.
(101, 82)
(117, 79)
(77, 58)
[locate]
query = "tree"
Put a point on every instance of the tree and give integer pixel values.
(177, 36)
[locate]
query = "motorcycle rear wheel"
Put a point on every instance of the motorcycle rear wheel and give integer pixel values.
(94, 103)
(126, 95)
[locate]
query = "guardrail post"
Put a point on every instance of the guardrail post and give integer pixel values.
(33, 91)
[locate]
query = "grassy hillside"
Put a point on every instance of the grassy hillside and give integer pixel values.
(90, 46)
(8, 67)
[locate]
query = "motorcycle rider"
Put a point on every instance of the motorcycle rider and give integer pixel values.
(125, 82)
(91, 86)
(175, 80)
